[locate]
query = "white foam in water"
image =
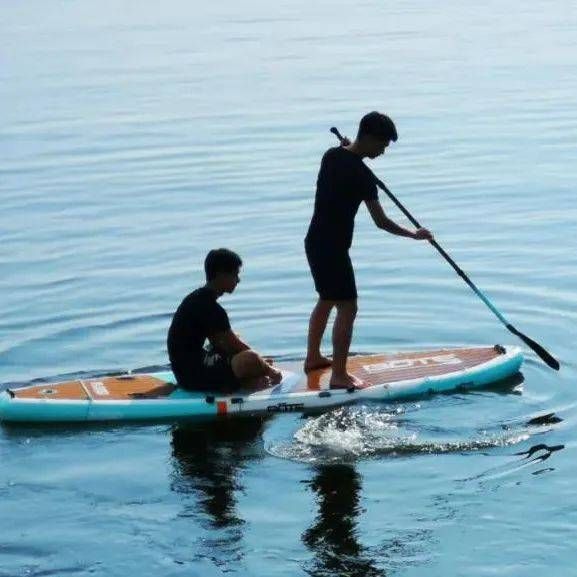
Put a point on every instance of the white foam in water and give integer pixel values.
(348, 433)
(335, 432)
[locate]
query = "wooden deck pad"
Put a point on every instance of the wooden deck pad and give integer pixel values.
(381, 369)
(126, 387)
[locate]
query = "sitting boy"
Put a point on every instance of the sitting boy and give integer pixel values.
(229, 364)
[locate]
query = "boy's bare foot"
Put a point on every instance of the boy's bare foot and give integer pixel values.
(345, 381)
(275, 376)
(256, 384)
(318, 362)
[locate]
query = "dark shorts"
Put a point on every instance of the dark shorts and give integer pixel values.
(216, 375)
(333, 273)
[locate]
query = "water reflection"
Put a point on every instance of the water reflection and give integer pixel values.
(207, 461)
(333, 538)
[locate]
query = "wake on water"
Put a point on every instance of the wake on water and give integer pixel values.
(350, 433)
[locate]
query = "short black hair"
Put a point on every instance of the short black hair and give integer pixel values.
(221, 260)
(378, 125)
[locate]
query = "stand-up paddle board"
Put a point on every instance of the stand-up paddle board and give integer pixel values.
(155, 396)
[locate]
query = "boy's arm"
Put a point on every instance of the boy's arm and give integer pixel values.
(385, 223)
(228, 342)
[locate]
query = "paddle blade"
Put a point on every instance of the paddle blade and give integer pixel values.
(537, 348)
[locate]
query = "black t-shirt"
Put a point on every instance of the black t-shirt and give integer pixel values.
(197, 317)
(344, 182)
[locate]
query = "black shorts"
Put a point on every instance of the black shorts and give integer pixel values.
(333, 273)
(214, 376)
(217, 373)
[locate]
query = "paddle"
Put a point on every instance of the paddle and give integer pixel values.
(545, 356)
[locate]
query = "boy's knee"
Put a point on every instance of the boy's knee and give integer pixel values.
(348, 308)
(246, 364)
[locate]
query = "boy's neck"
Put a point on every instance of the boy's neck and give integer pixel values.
(356, 148)
(213, 286)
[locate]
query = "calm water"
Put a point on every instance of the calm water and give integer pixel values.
(135, 136)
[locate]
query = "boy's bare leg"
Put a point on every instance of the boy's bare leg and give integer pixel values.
(251, 369)
(317, 326)
(342, 336)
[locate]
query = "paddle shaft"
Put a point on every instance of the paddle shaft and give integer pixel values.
(539, 350)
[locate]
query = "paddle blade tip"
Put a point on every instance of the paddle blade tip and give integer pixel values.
(544, 355)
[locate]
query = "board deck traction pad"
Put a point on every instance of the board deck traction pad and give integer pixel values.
(386, 376)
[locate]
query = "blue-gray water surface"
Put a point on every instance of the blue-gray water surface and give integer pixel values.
(135, 136)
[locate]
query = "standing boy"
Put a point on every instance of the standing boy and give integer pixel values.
(344, 181)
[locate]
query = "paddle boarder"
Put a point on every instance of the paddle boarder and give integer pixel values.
(229, 363)
(344, 181)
